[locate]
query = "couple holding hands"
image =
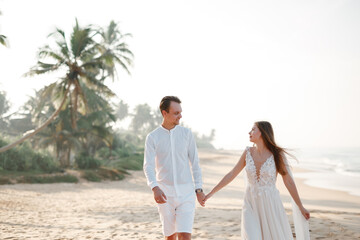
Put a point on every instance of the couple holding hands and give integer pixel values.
(171, 166)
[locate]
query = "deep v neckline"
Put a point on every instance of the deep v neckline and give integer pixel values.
(256, 170)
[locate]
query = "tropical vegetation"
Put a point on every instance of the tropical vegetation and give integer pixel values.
(76, 121)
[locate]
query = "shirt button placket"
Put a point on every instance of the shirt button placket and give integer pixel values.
(173, 161)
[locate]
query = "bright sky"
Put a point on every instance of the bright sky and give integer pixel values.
(293, 63)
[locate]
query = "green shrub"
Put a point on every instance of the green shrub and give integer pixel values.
(104, 153)
(115, 153)
(123, 152)
(49, 179)
(24, 158)
(13, 160)
(4, 180)
(111, 173)
(96, 175)
(44, 163)
(133, 162)
(91, 176)
(84, 161)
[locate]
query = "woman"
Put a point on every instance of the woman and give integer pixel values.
(263, 214)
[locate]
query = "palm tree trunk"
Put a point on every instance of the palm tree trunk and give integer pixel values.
(68, 156)
(52, 117)
(57, 152)
(74, 120)
(71, 107)
(62, 157)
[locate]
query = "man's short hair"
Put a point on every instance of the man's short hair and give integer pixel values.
(165, 102)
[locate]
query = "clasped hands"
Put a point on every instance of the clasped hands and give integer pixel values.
(160, 197)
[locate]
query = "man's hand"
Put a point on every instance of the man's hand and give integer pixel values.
(159, 195)
(201, 198)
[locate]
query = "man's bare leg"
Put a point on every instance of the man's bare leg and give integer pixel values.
(172, 237)
(184, 236)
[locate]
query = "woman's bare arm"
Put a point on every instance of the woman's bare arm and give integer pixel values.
(291, 187)
(229, 176)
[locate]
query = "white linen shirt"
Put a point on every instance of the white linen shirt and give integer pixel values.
(170, 157)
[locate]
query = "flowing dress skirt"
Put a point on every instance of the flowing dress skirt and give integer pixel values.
(263, 215)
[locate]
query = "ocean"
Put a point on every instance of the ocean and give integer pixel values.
(335, 168)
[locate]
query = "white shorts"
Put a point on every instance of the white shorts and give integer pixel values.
(177, 214)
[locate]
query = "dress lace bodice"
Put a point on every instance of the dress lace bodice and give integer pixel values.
(266, 175)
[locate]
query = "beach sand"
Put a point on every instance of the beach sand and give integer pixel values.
(126, 209)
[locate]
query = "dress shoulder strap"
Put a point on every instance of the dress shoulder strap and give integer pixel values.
(247, 149)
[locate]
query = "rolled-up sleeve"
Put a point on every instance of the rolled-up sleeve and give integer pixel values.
(194, 160)
(149, 162)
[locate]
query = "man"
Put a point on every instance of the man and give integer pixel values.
(170, 164)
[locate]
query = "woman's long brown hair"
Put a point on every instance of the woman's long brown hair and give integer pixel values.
(267, 135)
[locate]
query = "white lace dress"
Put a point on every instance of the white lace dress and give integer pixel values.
(263, 214)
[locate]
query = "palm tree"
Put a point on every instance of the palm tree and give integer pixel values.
(95, 132)
(87, 63)
(114, 49)
(3, 40)
(144, 120)
(60, 135)
(92, 130)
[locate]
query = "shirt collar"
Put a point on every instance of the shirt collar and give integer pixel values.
(171, 130)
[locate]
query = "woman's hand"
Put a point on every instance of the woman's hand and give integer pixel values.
(209, 195)
(305, 213)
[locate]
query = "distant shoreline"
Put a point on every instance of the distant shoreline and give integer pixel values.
(314, 177)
